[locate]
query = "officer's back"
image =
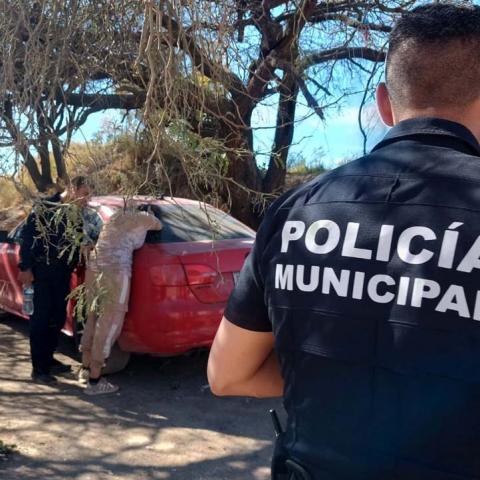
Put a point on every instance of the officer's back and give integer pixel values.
(373, 288)
(369, 279)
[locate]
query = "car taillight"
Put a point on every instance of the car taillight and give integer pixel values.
(168, 275)
(200, 274)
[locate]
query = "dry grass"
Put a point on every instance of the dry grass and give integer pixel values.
(121, 166)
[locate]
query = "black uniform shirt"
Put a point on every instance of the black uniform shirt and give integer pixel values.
(422, 164)
(51, 235)
(369, 277)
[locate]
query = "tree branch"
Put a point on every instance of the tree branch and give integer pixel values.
(103, 101)
(277, 167)
(351, 22)
(200, 59)
(312, 103)
(42, 144)
(342, 53)
(285, 49)
(319, 87)
(22, 146)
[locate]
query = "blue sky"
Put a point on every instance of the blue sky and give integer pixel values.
(329, 142)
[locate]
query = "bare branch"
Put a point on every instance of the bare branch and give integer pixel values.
(98, 102)
(342, 53)
(350, 22)
(312, 103)
(200, 59)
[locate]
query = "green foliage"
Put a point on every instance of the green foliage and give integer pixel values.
(299, 165)
(79, 299)
(50, 218)
(88, 299)
(308, 169)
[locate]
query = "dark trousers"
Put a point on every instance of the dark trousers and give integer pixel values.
(52, 286)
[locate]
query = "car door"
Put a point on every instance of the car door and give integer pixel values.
(13, 256)
(5, 289)
(10, 289)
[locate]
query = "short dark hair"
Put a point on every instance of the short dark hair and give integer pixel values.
(79, 181)
(434, 57)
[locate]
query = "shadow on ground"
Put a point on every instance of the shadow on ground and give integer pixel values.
(163, 424)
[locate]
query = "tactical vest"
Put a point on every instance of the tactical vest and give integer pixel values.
(372, 282)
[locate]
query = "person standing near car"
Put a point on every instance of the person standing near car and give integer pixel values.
(360, 301)
(107, 285)
(49, 252)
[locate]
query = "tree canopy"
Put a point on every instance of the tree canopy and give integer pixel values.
(195, 70)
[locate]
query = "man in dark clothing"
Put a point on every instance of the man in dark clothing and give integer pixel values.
(360, 301)
(50, 250)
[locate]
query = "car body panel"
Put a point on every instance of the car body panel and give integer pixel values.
(167, 315)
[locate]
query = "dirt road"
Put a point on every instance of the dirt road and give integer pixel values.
(163, 424)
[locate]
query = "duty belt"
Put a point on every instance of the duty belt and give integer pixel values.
(283, 467)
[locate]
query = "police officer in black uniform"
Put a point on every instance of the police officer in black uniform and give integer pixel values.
(360, 301)
(49, 252)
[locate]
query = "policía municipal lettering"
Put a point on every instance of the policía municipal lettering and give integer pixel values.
(380, 288)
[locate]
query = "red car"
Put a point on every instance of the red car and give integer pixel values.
(181, 277)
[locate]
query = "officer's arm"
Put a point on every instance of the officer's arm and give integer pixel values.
(243, 362)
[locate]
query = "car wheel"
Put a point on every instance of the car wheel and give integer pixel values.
(117, 360)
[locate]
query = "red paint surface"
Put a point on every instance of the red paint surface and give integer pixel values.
(179, 290)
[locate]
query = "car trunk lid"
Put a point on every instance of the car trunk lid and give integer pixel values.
(211, 268)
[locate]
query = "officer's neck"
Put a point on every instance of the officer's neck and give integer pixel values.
(468, 116)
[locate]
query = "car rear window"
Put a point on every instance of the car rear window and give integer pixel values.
(193, 223)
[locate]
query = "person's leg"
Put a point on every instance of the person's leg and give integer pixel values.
(92, 319)
(106, 327)
(60, 289)
(86, 347)
(116, 288)
(40, 325)
(87, 339)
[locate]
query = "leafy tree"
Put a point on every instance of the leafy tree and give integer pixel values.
(60, 62)
(213, 63)
(195, 69)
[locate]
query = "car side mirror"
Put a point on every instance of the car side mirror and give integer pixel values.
(4, 238)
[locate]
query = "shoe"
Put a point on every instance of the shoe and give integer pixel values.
(44, 378)
(101, 388)
(58, 367)
(83, 375)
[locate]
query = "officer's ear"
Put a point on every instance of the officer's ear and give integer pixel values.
(384, 105)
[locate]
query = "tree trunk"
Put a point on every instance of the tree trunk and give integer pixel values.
(277, 168)
(59, 159)
(246, 181)
(244, 175)
(40, 181)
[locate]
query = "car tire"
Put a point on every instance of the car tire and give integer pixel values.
(117, 360)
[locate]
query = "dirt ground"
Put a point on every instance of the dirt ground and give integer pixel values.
(163, 424)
